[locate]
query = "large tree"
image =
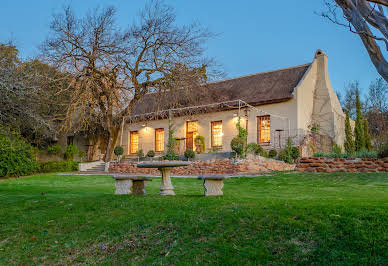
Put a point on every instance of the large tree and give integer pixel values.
(113, 68)
(28, 97)
(367, 19)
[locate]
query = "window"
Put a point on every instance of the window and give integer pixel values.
(216, 132)
(263, 129)
(134, 141)
(159, 139)
(191, 133)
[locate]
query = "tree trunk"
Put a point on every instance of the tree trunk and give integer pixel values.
(113, 138)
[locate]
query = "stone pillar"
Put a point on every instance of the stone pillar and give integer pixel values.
(213, 187)
(138, 187)
(123, 186)
(166, 188)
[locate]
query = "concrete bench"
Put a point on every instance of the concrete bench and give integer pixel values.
(213, 184)
(124, 183)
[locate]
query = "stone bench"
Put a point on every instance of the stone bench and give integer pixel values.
(124, 183)
(213, 184)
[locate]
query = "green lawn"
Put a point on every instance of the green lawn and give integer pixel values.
(287, 218)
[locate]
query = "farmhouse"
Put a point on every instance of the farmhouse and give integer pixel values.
(273, 106)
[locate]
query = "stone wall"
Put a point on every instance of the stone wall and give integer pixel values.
(219, 166)
(313, 143)
(328, 165)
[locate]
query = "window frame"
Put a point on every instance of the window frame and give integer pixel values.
(130, 141)
(259, 131)
(212, 135)
(156, 140)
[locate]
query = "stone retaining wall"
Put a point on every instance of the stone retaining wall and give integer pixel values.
(219, 166)
(328, 165)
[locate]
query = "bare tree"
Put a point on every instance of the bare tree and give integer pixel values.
(113, 68)
(364, 17)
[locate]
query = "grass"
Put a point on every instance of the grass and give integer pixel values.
(288, 218)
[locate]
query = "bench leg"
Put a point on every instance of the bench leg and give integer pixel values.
(213, 187)
(138, 187)
(123, 186)
(166, 188)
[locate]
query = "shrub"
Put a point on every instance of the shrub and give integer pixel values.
(319, 154)
(189, 154)
(336, 149)
(383, 152)
(237, 144)
(81, 154)
(272, 153)
(150, 154)
(16, 156)
(118, 151)
(364, 153)
(295, 153)
(140, 153)
(61, 166)
(200, 141)
(54, 150)
(171, 156)
(349, 141)
(70, 152)
(255, 149)
(314, 128)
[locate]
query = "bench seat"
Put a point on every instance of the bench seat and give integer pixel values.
(124, 183)
(213, 184)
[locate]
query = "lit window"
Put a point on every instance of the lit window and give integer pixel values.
(159, 139)
(263, 129)
(216, 132)
(134, 141)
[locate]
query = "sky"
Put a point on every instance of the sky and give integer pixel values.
(251, 36)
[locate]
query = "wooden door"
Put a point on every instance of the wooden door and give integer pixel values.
(189, 141)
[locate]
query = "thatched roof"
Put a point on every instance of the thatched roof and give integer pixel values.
(256, 89)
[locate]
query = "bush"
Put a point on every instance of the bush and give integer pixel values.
(140, 153)
(189, 154)
(54, 150)
(150, 154)
(118, 151)
(319, 154)
(171, 156)
(255, 149)
(238, 144)
(70, 152)
(61, 166)
(295, 153)
(336, 149)
(272, 153)
(364, 153)
(16, 156)
(383, 152)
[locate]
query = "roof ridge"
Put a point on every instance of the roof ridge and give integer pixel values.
(258, 73)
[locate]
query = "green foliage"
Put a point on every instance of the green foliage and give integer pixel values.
(150, 154)
(368, 141)
(349, 141)
(214, 149)
(81, 154)
(272, 153)
(319, 154)
(54, 150)
(70, 152)
(60, 166)
(171, 142)
(140, 153)
(16, 156)
(190, 154)
(200, 140)
(358, 129)
(315, 127)
(171, 156)
(336, 149)
(383, 151)
(256, 149)
(289, 154)
(359, 154)
(118, 151)
(239, 143)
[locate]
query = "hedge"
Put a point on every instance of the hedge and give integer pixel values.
(59, 166)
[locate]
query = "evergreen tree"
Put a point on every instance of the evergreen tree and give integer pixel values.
(358, 129)
(368, 143)
(349, 141)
